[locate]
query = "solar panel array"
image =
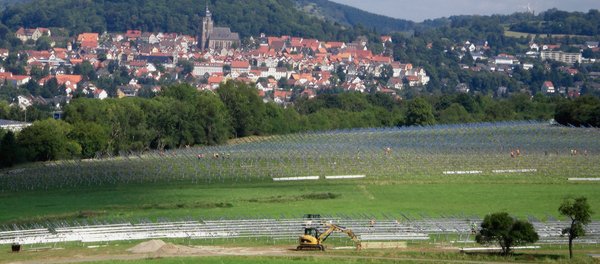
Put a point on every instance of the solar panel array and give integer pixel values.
(539, 150)
(277, 229)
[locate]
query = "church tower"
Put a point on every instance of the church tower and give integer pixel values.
(207, 29)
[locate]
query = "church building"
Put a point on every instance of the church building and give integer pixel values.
(216, 38)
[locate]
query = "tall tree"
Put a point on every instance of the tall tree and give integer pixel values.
(214, 118)
(506, 231)
(10, 151)
(245, 107)
(92, 137)
(420, 112)
(48, 140)
(579, 212)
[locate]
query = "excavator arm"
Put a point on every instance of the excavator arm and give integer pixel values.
(332, 227)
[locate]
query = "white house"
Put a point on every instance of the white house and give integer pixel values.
(100, 94)
(505, 59)
(211, 68)
(277, 73)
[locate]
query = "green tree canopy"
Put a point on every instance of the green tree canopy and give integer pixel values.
(455, 114)
(420, 112)
(502, 229)
(579, 212)
(583, 111)
(245, 107)
(10, 151)
(92, 137)
(48, 140)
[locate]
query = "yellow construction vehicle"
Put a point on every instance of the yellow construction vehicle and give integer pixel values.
(313, 240)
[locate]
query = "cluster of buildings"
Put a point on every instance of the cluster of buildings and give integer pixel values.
(506, 63)
(276, 64)
(279, 66)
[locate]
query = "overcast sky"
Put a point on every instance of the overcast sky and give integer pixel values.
(419, 10)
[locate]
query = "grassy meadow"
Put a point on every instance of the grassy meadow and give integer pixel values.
(293, 200)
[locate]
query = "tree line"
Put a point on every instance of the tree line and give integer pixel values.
(181, 116)
(555, 21)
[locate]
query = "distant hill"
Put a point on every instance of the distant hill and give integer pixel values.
(350, 16)
(5, 3)
(250, 17)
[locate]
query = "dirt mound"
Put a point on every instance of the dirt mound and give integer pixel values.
(151, 246)
(171, 249)
(161, 248)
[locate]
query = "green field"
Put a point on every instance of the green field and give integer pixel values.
(294, 200)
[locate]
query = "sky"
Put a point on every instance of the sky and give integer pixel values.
(419, 10)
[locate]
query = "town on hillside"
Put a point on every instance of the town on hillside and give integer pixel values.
(282, 68)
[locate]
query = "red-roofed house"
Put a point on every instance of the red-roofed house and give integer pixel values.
(385, 39)
(335, 45)
(412, 80)
(133, 34)
(88, 40)
(382, 59)
(70, 81)
(548, 87)
(280, 96)
(214, 81)
(240, 67)
(15, 80)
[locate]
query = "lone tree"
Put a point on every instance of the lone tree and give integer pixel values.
(578, 210)
(506, 231)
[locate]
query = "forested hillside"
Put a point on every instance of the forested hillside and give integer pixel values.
(249, 18)
(350, 16)
(555, 21)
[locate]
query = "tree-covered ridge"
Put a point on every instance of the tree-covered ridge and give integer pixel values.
(249, 18)
(555, 21)
(350, 16)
